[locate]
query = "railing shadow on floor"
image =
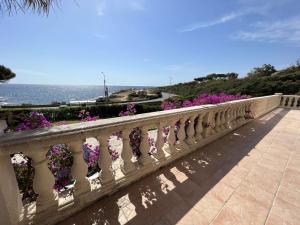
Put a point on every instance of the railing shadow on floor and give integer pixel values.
(175, 189)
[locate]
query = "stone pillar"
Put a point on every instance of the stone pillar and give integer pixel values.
(44, 180)
(10, 199)
(145, 147)
(126, 154)
(79, 168)
(105, 161)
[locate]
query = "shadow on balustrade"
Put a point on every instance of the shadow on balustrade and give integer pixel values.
(168, 195)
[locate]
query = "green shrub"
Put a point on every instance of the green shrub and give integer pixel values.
(15, 115)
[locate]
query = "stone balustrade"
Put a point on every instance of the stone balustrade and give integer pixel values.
(290, 101)
(188, 129)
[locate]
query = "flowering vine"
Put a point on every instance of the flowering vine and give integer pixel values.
(202, 100)
(33, 121)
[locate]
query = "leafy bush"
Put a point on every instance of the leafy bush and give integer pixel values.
(6, 74)
(15, 116)
(254, 86)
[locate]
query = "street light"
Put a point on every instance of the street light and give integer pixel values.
(105, 88)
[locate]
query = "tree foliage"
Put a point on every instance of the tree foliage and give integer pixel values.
(40, 6)
(291, 69)
(6, 74)
(217, 76)
(262, 81)
(263, 71)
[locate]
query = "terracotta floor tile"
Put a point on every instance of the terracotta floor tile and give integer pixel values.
(209, 206)
(221, 191)
(192, 217)
(284, 212)
(232, 181)
(228, 217)
(291, 179)
(289, 195)
(253, 192)
(268, 184)
(242, 210)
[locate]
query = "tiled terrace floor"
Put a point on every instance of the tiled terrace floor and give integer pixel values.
(251, 176)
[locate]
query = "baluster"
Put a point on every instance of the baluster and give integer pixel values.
(44, 180)
(207, 125)
(105, 161)
(171, 138)
(239, 113)
(243, 112)
(199, 128)
(223, 119)
(10, 198)
(234, 116)
(79, 168)
(282, 101)
(286, 102)
(227, 118)
(218, 121)
(231, 117)
(296, 102)
(293, 102)
(126, 154)
(182, 135)
(290, 102)
(145, 147)
(213, 123)
(191, 131)
(160, 142)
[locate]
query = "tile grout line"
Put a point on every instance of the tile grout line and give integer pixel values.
(233, 193)
(266, 220)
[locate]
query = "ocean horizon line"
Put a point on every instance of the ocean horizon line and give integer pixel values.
(109, 85)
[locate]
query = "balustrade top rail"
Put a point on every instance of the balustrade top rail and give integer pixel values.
(88, 128)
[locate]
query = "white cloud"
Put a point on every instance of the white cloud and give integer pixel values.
(247, 7)
(223, 19)
(277, 31)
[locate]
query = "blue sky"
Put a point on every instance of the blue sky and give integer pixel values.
(145, 42)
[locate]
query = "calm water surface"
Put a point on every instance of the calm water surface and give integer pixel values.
(16, 94)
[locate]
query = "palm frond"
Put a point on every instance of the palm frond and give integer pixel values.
(40, 6)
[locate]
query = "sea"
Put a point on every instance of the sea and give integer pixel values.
(18, 94)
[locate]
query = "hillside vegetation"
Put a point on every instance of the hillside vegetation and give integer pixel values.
(260, 81)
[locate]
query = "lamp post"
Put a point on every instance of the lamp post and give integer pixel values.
(105, 87)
